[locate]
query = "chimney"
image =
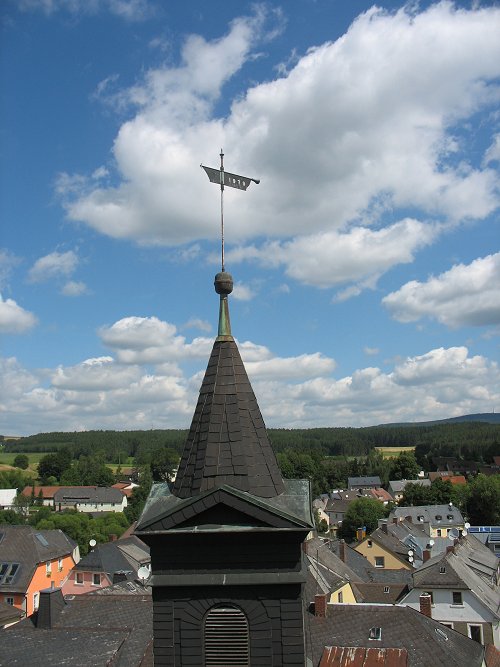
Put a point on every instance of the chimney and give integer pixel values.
(426, 604)
(342, 554)
(119, 576)
(320, 603)
(384, 528)
(49, 607)
(395, 519)
(426, 554)
(450, 549)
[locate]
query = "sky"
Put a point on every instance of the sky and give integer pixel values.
(366, 262)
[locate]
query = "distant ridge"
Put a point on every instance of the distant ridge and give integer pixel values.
(486, 417)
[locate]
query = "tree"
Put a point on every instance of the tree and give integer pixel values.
(21, 461)
(88, 471)
(404, 466)
(483, 504)
(163, 464)
(362, 512)
(139, 495)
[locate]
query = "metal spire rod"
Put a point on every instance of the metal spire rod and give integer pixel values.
(222, 206)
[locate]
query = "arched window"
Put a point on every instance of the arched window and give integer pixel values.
(226, 637)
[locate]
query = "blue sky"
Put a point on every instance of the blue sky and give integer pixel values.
(366, 262)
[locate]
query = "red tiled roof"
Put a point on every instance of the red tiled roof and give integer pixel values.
(492, 656)
(348, 656)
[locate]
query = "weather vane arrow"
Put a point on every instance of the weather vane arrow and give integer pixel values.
(222, 178)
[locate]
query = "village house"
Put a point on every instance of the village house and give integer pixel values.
(31, 560)
(462, 590)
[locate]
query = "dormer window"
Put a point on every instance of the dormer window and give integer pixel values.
(442, 569)
(420, 517)
(386, 589)
(438, 517)
(449, 516)
(375, 634)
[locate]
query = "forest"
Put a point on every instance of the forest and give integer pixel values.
(478, 441)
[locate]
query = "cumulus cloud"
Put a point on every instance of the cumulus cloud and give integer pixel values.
(152, 341)
(466, 295)
(296, 392)
(332, 258)
(53, 265)
(73, 288)
(13, 318)
(374, 118)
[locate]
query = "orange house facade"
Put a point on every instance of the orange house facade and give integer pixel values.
(32, 560)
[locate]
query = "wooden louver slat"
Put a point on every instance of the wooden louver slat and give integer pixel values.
(226, 638)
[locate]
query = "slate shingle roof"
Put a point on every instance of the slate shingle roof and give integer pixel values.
(88, 494)
(429, 644)
(228, 442)
(91, 631)
(120, 556)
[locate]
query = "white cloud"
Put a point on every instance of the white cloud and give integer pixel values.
(197, 323)
(13, 318)
(292, 392)
(493, 152)
(152, 341)
(242, 292)
(332, 258)
(371, 351)
(130, 10)
(7, 263)
(373, 118)
(466, 295)
(54, 265)
(73, 288)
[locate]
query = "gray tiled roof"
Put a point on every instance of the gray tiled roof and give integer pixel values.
(120, 556)
(88, 494)
(363, 481)
(228, 442)
(430, 514)
(28, 547)
(429, 644)
(91, 631)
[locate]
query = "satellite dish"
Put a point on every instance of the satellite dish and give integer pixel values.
(450, 504)
(92, 543)
(464, 532)
(410, 559)
(453, 534)
(466, 525)
(431, 543)
(410, 553)
(143, 573)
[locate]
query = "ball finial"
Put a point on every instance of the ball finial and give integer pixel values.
(223, 283)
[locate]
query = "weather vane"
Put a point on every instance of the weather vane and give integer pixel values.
(231, 180)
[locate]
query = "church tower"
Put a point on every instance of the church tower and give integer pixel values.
(226, 537)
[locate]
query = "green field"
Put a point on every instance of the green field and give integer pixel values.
(7, 458)
(392, 452)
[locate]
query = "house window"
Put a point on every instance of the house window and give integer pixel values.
(10, 601)
(375, 633)
(226, 637)
(475, 633)
(96, 579)
(438, 532)
(79, 578)
(60, 564)
(448, 625)
(36, 597)
(442, 569)
(370, 543)
(341, 596)
(379, 561)
(48, 568)
(386, 589)
(457, 597)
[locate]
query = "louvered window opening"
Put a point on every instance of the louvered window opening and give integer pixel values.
(226, 638)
